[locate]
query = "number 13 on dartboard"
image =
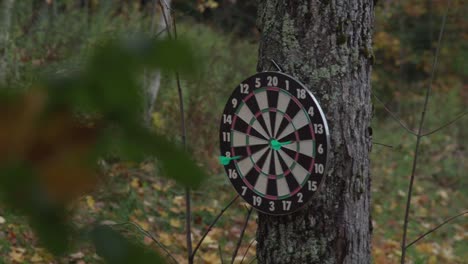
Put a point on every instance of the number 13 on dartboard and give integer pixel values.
(274, 142)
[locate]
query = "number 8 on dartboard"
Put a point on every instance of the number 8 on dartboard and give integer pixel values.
(274, 142)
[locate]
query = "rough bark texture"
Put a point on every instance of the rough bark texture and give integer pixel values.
(6, 7)
(327, 45)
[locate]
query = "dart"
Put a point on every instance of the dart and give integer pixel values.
(225, 160)
(276, 145)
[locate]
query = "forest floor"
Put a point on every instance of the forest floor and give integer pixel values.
(134, 193)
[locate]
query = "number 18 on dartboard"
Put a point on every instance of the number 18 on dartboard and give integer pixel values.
(274, 142)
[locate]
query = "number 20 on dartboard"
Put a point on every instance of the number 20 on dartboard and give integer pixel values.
(274, 142)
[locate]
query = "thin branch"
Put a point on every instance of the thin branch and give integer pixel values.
(241, 235)
(160, 32)
(247, 250)
(166, 20)
(381, 144)
(148, 234)
(394, 116)
(220, 254)
(183, 128)
(446, 125)
(437, 227)
(212, 224)
(419, 135)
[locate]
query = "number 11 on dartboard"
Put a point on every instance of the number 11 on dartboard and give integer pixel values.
(274, 142)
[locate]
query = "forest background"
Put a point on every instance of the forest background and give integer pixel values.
(56, 37)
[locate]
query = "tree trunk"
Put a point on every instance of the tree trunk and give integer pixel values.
(154, 78)
(326, 44)
(6, 7)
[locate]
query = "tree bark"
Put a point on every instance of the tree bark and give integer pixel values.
(326, 44)
(6, 7)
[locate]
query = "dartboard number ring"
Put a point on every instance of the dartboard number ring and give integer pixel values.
(274, 142)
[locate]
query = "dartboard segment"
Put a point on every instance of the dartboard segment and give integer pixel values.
(274, 143)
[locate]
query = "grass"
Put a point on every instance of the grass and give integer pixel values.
(139, 193)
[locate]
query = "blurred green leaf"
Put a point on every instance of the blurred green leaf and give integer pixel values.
(136, 142)
(116, 249)
(23, 193)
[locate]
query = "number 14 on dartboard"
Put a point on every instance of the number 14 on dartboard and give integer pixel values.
(274, 142)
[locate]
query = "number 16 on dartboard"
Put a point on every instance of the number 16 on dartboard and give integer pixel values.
(274, 142)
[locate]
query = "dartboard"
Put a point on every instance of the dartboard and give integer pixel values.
(274, 142)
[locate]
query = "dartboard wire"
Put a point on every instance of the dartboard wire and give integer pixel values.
(250, 162)
(240, 139)
(250, 122)
(252, 103)
(295, 124)
(242, 126)
(284, 99)
(294, 167)
(293, 108)
(261, 99)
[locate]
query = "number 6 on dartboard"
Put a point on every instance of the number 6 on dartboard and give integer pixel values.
(277, 139)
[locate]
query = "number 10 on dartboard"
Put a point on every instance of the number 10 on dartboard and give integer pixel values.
(274, 142)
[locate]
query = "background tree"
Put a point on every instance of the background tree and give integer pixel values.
(5, 21)
(326, 45)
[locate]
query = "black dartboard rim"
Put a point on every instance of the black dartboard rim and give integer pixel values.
(264, 107)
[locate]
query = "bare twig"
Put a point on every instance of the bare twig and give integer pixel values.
(212, 224)
(419, 135)
(247, 250)
(381, 144)
(148, 234)
(437, 227)
(446, 125)
(394, 116)
(183, 128)
(241, 235)
(220, 254)
(166, 19)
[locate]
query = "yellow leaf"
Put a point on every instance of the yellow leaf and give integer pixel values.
(427, 248)
(163, 214)
(17, 254)
(157, 187)
(175, 223)
(175, 210)
(90, 202)
(36, 258)
(443, 194)
(211, 258)
(147, 167)
(158, 120)
(211, 4)
(378, 209)
(135, 183)
(432, 260)
(208, 240)
(165, 238)
(179, 200)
